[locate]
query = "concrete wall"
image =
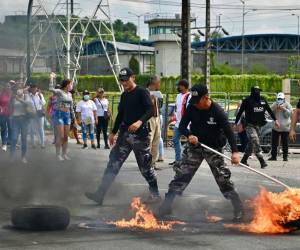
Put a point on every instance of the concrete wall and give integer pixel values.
(98, 65)
(275, 62)
(167, 58)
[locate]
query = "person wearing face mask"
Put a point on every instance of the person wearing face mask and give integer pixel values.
(134, 111)
(205, 122)
(87, 116)
(255, 106)
(283, 111)
(63, 114)
(21, 111)
(180, 107)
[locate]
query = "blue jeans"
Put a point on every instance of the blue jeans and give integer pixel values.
(19, 125)
(87, 129)
(4, 126)
(177, 144)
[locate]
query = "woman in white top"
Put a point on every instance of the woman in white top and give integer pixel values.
(103, 116)
(87, 116)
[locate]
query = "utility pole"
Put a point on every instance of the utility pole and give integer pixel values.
(68, 64)
(186, 40)
(243, 35)
(208, 44)
(28, 36)
(139, 34)
(218, 30)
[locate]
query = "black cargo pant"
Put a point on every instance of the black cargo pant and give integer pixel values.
(284, 141)
(192, 158)
(253, 146)
(126, 143)
(102, 127)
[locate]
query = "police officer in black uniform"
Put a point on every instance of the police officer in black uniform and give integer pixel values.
(255, 106)
(208, 125)
(135, 109)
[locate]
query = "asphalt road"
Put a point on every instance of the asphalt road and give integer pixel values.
(44, 181)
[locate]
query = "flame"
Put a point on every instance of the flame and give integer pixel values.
(144, 219)
(272, 211)
(214, 219)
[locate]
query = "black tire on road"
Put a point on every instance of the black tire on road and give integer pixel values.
(40, 218)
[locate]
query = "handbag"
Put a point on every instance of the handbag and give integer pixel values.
(106, 113)
(39, 113)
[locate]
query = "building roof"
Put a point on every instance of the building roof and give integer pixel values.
(96, 48)
(133, 47)
(256, 43)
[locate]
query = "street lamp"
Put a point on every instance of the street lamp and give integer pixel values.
(296, 15)
(243, 31)
(139, 32)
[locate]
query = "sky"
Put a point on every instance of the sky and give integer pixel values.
(262, 16)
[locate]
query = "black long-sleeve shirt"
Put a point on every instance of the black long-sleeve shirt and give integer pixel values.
(254, 111)
(134, 106)
(210, 126)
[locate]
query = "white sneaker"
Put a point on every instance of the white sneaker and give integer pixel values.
(60, 158)
(24, 160)
(4, 148)
(67, 158)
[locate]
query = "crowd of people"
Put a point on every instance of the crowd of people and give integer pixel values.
(138, 128)
(24, 114)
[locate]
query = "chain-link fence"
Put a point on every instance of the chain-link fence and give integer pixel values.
(228, 101)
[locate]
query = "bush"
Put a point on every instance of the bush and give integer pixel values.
(219, 83)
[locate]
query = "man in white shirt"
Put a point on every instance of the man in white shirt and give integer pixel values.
(182, 100)
(87, 114)
(37, 122)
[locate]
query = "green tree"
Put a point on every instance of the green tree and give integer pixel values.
(134, 65)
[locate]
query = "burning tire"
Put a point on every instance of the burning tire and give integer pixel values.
(40, 218)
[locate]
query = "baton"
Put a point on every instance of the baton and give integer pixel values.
(247, 167)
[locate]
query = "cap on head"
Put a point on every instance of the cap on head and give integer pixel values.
(280, 95)
(100, 90)
(197, 92)
(184, 83)
(125, 74)
(12, 82)
(256, 88)
(85, 92)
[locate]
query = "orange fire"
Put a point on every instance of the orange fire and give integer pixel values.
(213, 219)
(272, 211)
(144, 219)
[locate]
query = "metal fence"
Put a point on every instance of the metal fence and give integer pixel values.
(228, 101)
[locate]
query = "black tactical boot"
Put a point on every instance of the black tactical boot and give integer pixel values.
(97, 197)
(244, 159)
(263, 164)
(154, 196)
(238, 210)
(166, 207)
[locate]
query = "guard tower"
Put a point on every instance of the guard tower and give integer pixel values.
(164, 32)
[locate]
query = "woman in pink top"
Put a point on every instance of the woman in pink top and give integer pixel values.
(5, 98)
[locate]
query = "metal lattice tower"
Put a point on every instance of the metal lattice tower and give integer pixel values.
(65, 32)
